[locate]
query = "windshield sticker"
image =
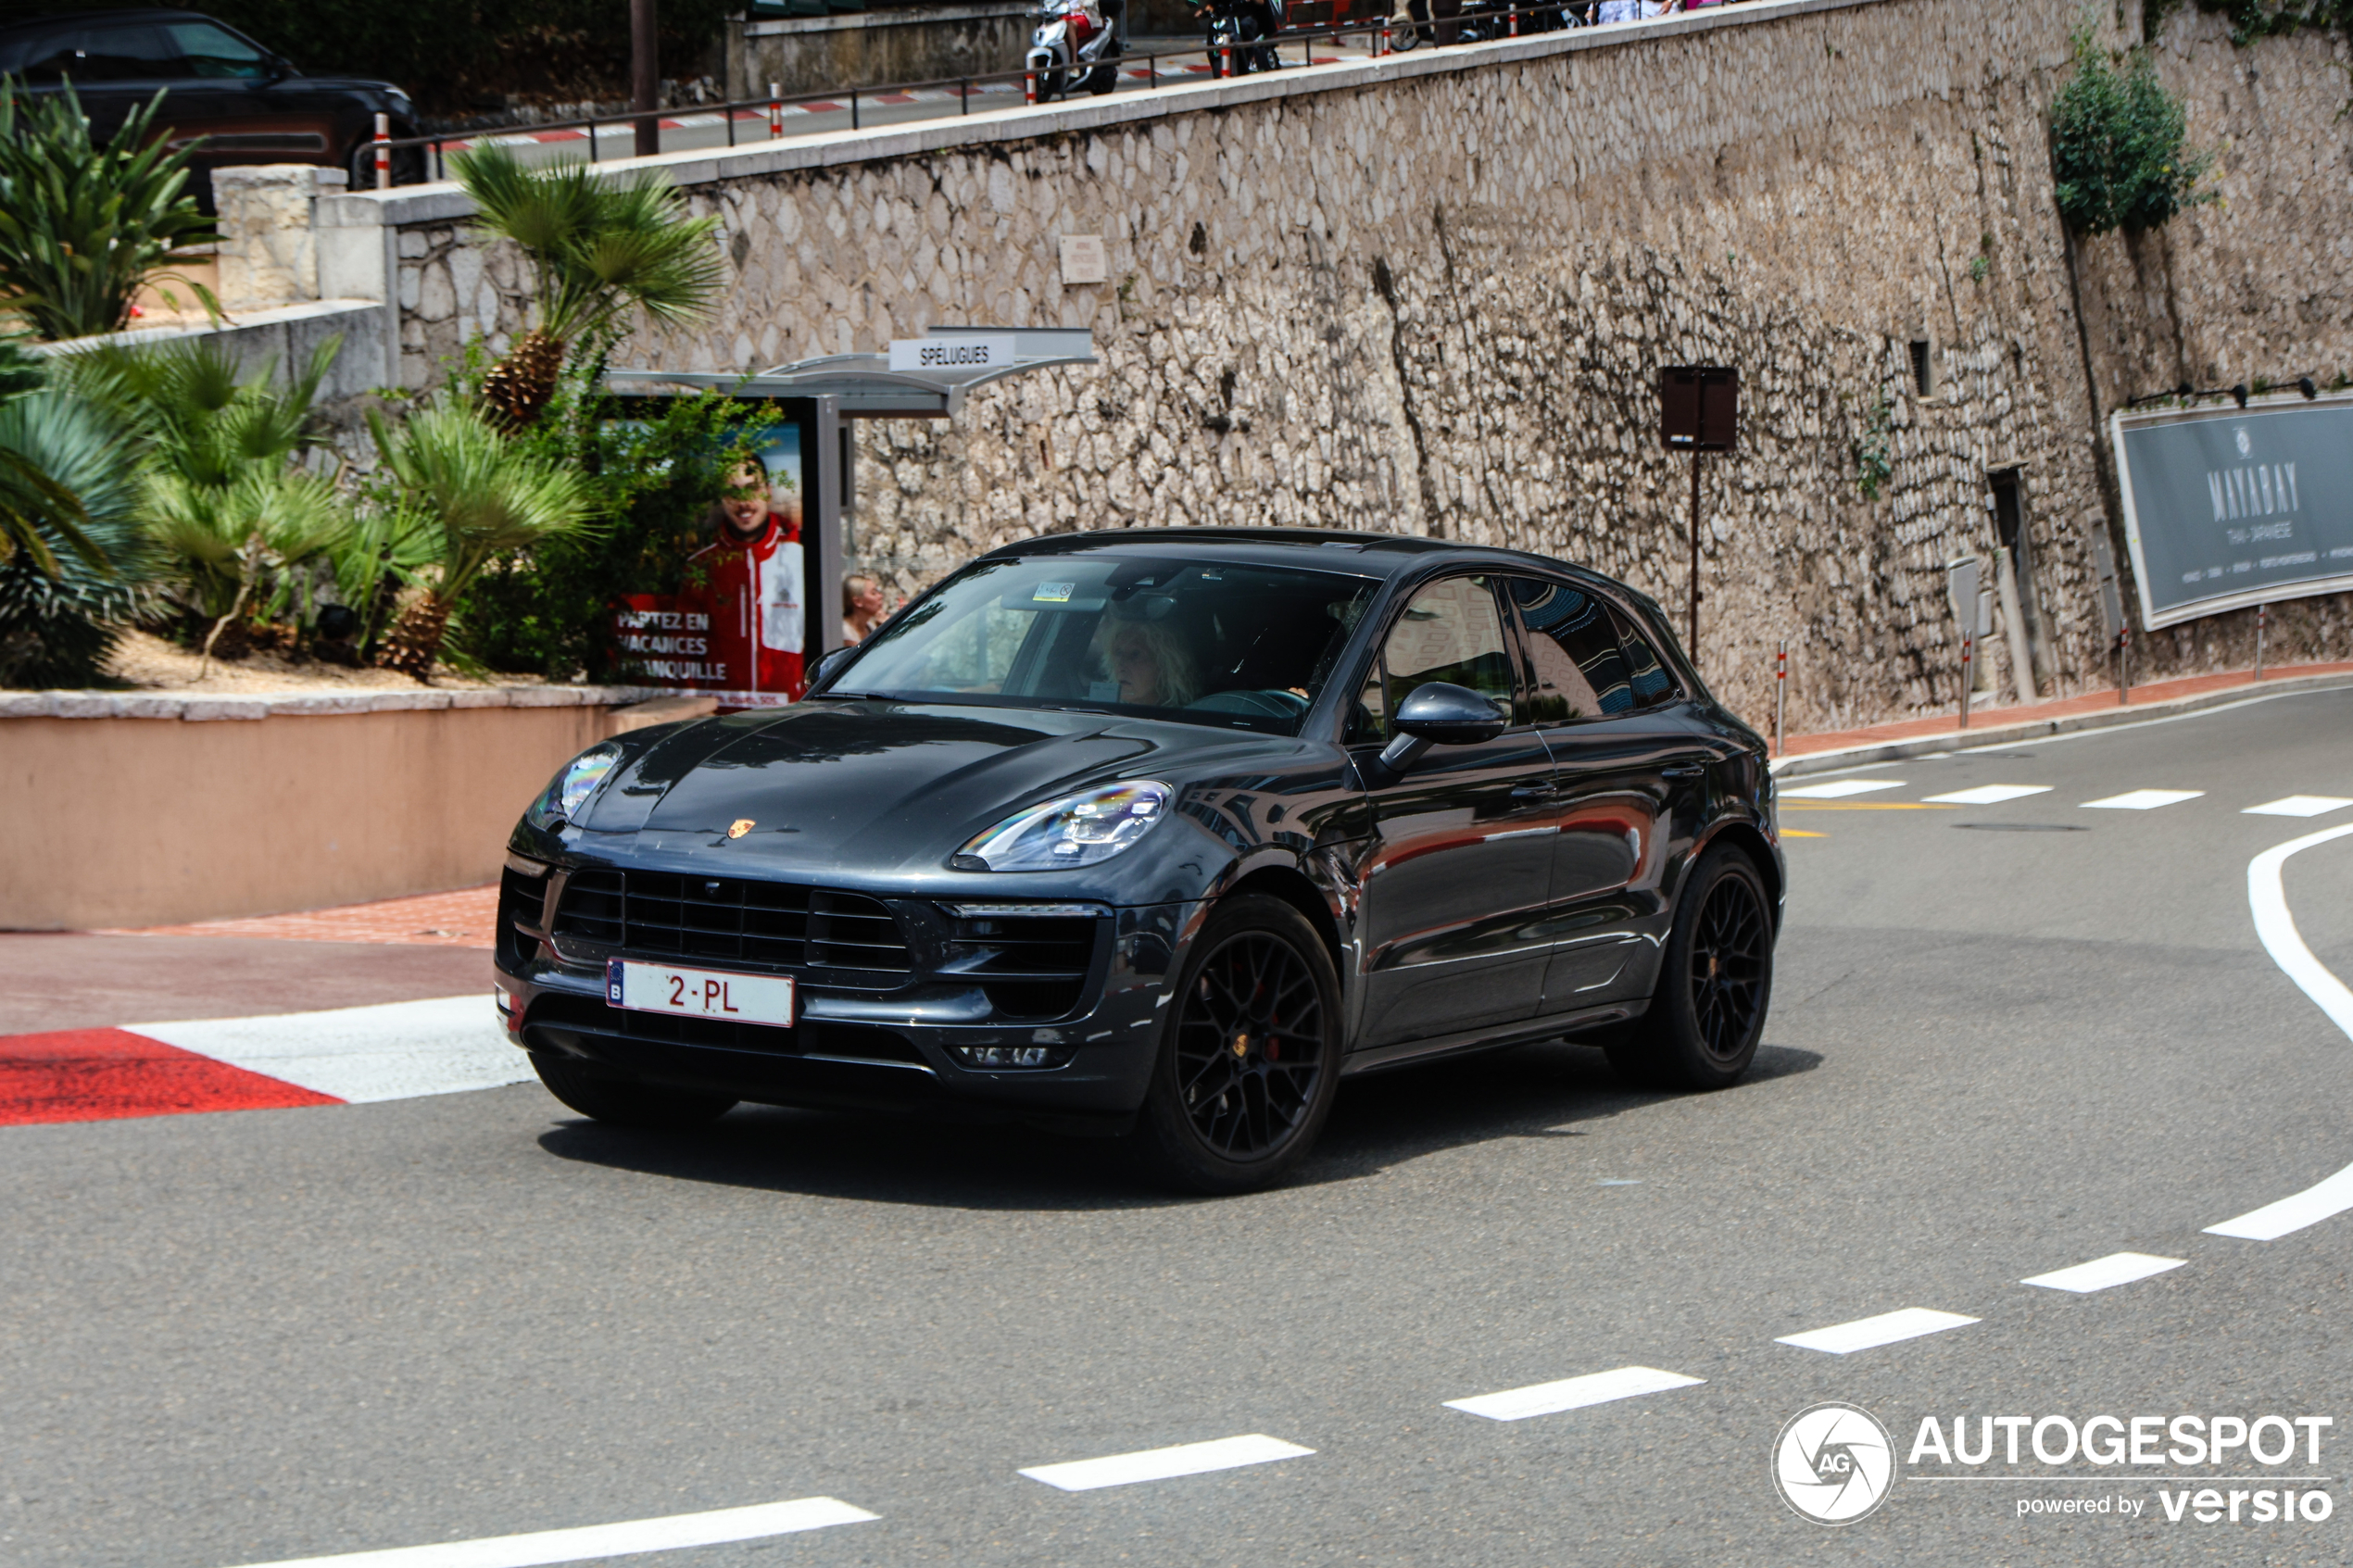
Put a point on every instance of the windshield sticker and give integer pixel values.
(1053, 592)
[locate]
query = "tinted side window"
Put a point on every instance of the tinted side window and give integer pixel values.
(1450, 631)
(140, 53)
(1645, 674)
(1577, 666)
(215, 51)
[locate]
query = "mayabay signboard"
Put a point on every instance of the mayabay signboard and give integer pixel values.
(2235, 507)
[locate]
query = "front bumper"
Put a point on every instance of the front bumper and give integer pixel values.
(913, 1047)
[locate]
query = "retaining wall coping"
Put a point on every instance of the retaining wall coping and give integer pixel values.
(292, 704)
(444, 203)
(276, 316)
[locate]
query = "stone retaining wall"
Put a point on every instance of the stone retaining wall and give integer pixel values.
(1432, 295)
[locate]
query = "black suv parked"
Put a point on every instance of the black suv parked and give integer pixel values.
(249, 104)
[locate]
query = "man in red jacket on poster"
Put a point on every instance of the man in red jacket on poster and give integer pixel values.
(753, 572)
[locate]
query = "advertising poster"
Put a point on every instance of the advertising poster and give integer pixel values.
(738, 626)
(2228, 508)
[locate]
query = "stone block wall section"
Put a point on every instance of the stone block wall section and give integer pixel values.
(1431, 294)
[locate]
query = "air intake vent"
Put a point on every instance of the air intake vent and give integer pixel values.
(519, 901)
(1030, 966)
(725, 919)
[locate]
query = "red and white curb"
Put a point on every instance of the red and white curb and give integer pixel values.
(344, 1056)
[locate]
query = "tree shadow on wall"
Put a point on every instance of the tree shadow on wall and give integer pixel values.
(1379, 1123)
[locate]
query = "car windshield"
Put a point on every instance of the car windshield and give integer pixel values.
(1199, 640)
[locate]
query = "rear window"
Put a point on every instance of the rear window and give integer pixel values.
(132, 51)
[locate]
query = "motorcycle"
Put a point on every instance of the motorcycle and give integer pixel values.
(1236, 31)
(1075, 46)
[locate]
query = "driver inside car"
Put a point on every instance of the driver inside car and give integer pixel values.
(1147, 660)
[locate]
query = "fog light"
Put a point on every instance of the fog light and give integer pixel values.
(1012, 1056)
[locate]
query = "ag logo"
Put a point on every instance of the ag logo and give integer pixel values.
(2246, 447)
(1835, 1464)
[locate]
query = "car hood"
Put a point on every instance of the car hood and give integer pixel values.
(870, 787)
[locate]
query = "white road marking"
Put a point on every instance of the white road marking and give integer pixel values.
(2142, 799)
(2297, 806)
(2276, 928)
(1162, 1464)
(1573, 1393)
(2104, 1273)
(1838, 788)
(2322, 1201)
(1846, 1338)
(2267, 900)
(604, 1540)
(396, 1051)
(1988, 795)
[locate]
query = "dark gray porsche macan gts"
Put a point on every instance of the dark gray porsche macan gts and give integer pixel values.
(1163, 834)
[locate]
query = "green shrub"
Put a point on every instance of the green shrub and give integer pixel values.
(83, 226)
(2118, 155)
(57, 627)
(549, 611)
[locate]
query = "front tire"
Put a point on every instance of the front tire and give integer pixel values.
(1250, 1056)
(1715, 983)
(625, 1102)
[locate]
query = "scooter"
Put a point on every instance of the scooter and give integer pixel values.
(1072, 48)
(1236, 31)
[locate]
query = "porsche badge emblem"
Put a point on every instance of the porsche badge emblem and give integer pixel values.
(740, 827)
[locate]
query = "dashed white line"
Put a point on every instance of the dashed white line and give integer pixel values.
(1574, 1393)
(624, 1539)
(2142, 799)
(1837, 788)
(1164, 1464)
(1988, 795)
(1846, 1338)
(2104, 1273)
(2299, 805)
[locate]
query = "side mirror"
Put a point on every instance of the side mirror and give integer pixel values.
(1440, 714)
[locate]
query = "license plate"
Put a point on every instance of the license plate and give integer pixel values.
(700, 993)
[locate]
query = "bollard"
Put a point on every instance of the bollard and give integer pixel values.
(776, 111)
(1780, 695)
(2124, 666)
(1969, 676)
(383, 152)
(2258, 639)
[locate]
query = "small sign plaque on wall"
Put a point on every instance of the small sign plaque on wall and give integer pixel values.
(1084, 259)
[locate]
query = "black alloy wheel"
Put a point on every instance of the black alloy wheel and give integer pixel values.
(1250, 1062)
(623, 1101)
(1715, 983)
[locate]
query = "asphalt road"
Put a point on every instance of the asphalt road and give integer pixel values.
(238, 1338)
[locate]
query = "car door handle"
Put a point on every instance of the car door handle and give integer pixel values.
(1535, 792)
(1686, 770)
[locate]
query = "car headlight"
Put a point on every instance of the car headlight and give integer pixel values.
(1078, 830)
(573, 787)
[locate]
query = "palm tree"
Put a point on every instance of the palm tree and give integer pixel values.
(487, 498)
(33, 503)
(597, 250)
(62, 609)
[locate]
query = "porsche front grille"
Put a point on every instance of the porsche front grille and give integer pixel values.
(731, 919)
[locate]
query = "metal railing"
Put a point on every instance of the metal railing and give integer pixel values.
(1472, 23)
